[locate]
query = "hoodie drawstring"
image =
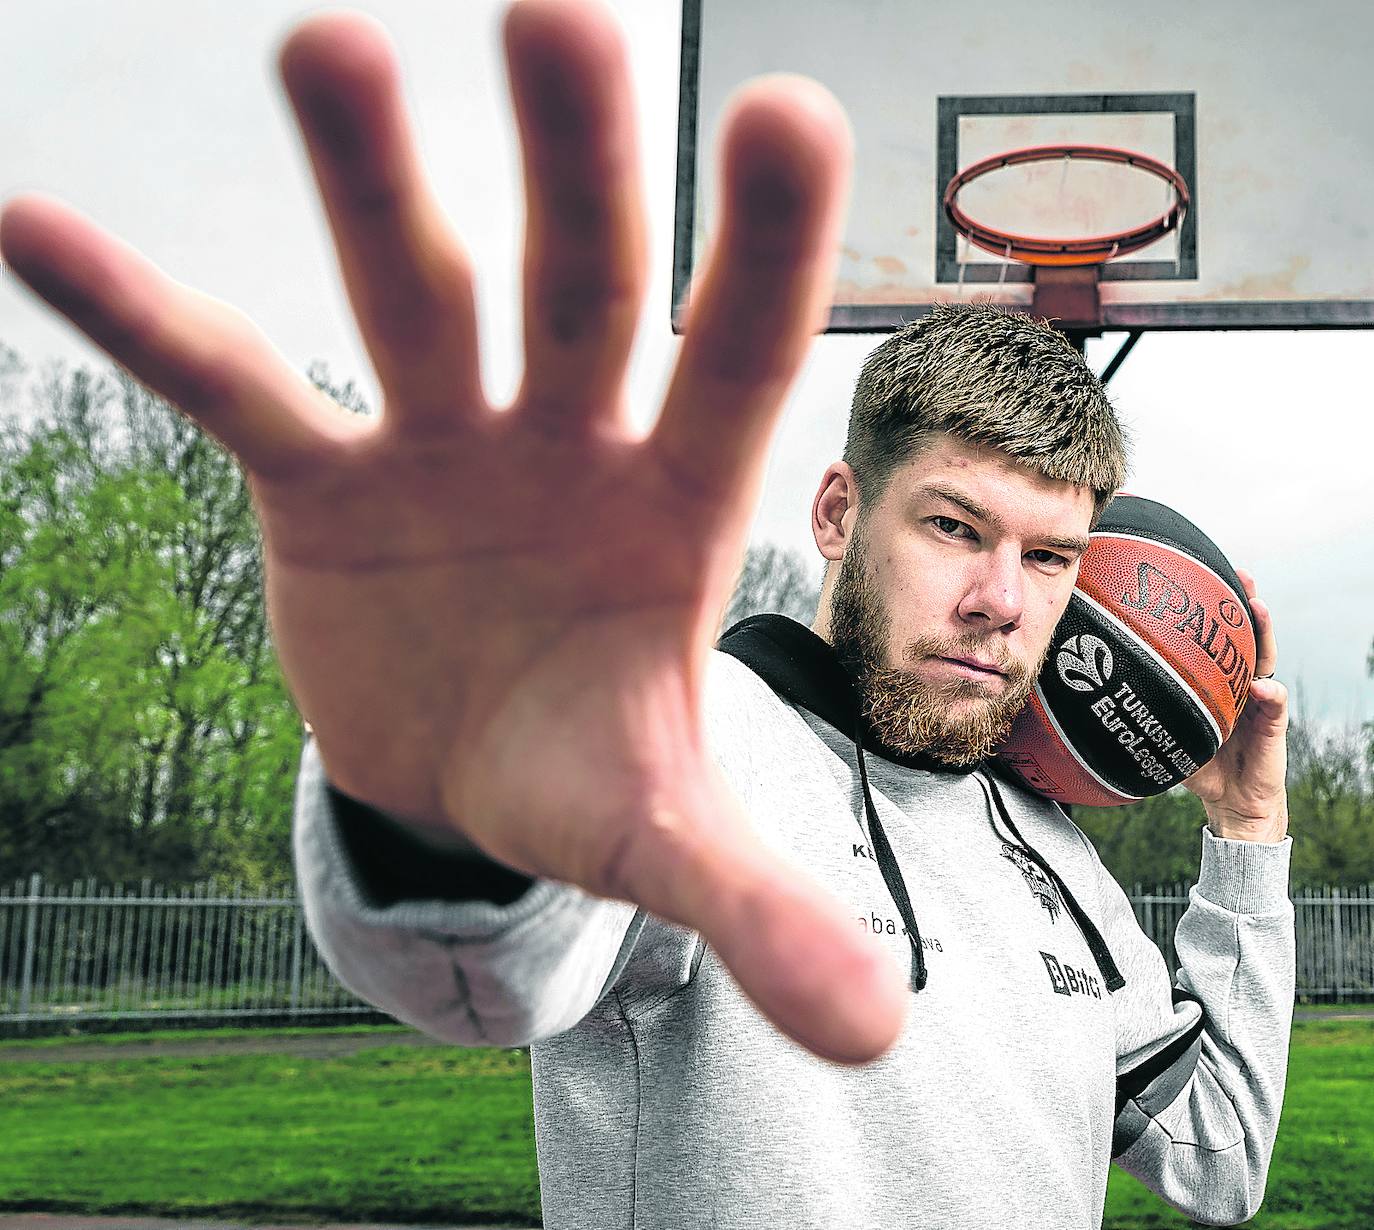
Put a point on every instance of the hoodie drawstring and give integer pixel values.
(896, 886)
(892, 873)
(1106, 966)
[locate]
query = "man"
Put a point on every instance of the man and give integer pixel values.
(538, 807)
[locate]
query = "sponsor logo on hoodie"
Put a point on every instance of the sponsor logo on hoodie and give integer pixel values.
(1068, 979)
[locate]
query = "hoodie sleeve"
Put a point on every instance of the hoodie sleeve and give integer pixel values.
(467, 950)
(471, 971)
(1202, 1058)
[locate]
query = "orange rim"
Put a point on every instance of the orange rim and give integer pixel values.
(1092, 250)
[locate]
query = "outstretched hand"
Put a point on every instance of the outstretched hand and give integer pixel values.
(1243, 786)
(497, 620)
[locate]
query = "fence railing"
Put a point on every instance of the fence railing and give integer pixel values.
(117, 952)
(1334, 931)
(100, 953)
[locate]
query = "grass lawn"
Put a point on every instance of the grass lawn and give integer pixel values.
(445, 1136)
(392, 1134)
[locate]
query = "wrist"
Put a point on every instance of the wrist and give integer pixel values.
(1264, 826)
(1245, 876)
(397, 861)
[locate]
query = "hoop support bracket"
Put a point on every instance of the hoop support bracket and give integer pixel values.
(1067, 294)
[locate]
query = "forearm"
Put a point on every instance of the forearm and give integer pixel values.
(1203, 1135)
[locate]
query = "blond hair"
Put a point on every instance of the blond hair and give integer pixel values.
(990, 377)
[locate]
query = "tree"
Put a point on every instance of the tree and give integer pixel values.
(1331, 797)
(144, 729)
(773, 579)
(1154, 841)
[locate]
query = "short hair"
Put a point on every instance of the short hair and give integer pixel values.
(991, 377)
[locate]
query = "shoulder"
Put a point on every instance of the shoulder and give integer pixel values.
(737, 703)
(747, 724)
(729, 681)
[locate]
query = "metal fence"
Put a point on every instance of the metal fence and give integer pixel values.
(114, 953)
(1335, 937)
(137, 953)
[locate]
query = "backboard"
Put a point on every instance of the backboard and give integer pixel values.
(1262, 110)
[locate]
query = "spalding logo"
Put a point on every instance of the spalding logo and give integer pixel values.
(1084, 662)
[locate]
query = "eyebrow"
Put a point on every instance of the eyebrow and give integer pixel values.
(1073, 543)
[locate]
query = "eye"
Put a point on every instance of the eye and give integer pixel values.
(1048, 559)
(953, 527)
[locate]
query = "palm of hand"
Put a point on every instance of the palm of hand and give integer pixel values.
(553, 603)
(497, 622)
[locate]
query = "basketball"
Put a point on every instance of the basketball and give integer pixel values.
(1147, 671)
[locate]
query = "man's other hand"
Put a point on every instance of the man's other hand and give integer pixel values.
(1243, 786)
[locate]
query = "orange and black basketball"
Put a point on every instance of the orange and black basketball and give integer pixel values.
(1147, 671)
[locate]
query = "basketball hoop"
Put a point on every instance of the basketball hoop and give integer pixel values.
(1066, 272)
(1092, 250)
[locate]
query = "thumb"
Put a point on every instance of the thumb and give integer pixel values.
(789, 944)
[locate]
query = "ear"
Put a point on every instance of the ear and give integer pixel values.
(834, 510)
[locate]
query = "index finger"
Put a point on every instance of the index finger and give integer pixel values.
(201, 355)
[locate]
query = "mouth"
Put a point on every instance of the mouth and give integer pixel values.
(974, 668)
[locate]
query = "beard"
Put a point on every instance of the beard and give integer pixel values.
(957, 721)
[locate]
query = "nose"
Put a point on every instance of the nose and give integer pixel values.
(995, 597)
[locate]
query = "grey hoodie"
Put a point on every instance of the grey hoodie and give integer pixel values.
(663, 1099)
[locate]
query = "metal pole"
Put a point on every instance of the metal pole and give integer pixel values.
(220, 979)
(1120, 356)
(195, 974)
(261, 921)
(30, 951)
(100, 969)
(240, 952)
(124, 906)
(296, 944)
(181, 986)
(57, 966)
(1339, 940)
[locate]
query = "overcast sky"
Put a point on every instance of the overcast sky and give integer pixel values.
(166, 123)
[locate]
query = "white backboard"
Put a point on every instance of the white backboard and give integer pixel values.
(1262, 107)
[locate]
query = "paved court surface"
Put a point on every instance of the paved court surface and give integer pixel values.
(62, 1221)
(321, 1046)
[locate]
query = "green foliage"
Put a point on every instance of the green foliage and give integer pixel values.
(1330, 801)
(1156, 841)
(144, 727)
